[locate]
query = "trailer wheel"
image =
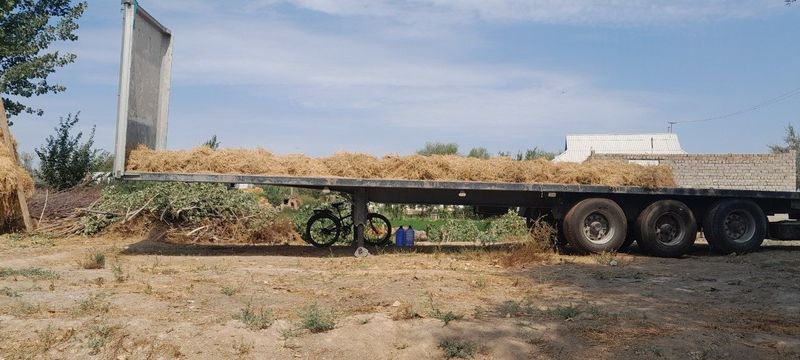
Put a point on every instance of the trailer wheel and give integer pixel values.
(595, 225)
(666, 228)
(735, 226)
(630, 238)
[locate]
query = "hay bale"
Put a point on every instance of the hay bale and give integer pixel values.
(12, 177)
(414, 167)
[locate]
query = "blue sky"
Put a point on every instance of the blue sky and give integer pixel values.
(381, 76)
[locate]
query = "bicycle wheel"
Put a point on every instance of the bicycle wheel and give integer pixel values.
(322, 229)
(378, 230)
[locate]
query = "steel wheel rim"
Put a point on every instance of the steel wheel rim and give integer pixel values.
(668, 229)
(739, 226)
(597, 228)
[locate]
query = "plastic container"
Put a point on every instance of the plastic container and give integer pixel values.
(400, 237)
(409, 236)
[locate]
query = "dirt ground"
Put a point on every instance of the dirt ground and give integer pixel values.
(153, 300)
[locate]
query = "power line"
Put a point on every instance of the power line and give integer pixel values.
(775, 100)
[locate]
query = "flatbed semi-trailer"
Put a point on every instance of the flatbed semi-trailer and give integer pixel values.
(664, 221)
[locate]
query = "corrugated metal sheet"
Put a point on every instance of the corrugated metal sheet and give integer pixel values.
(579, 147)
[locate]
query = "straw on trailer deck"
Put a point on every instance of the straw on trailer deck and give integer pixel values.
(415, 167)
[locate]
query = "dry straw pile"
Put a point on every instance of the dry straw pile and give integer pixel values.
(415, 167)
(12, 176)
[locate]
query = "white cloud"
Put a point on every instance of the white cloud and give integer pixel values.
(616, 12)
(396, 84)
(345, 79)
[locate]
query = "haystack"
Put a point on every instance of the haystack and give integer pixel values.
(12, 176)
(415, 167)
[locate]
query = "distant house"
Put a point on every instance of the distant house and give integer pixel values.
(580, 147)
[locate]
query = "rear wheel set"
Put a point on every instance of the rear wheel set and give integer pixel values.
(666, 228)
(735, 226)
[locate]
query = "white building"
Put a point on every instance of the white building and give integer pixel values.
(580, 147)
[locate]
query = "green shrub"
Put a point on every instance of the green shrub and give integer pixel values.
(316, 320)
(63, 160)
(455, 230)
(458, 348)
(509, 227)
(438, 148)
(255, 320)
(178, 204)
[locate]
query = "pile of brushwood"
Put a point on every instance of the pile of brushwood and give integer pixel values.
(203, 213)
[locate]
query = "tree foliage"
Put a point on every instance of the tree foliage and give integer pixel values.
(437, 148)
(530, 154)
(479, 152)
(791, 142)
(27, 29)
(212, 143)
(63, 160)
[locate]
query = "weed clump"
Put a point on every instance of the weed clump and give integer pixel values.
(259, 320)
(539, 244)
(445, 317)
(9, 292)
(99, 335)
(30, 273)
(316, 319)
(92, 260)
(458, 348)
(229, 291)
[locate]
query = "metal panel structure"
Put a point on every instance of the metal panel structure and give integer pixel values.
(580, 147)
(144, 87)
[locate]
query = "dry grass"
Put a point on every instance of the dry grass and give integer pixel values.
(539, 246)
(92, 260)
(415, 167)
(12, 176)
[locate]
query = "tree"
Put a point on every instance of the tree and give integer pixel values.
(791, 142)
(437, 148)
(63, 160)
(212, 143)
(27, 29)
(536, 153)
(479, 152)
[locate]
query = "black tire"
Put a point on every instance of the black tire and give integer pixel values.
(378, 230)
(630, 238)
(735, 226)
(596, 225)
(666, 228)
(323, 229)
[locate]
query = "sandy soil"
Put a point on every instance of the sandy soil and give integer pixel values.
(160, 301)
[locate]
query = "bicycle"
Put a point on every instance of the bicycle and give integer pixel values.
(325, 227)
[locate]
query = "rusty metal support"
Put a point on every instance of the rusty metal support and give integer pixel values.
(359, 215)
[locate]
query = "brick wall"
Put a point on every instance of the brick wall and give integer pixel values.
(767, 172)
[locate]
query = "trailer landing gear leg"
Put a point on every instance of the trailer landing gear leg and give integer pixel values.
(360, 220)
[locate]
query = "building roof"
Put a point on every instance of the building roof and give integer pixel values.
(580, 147)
